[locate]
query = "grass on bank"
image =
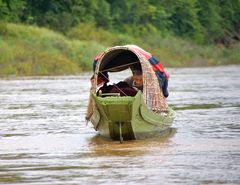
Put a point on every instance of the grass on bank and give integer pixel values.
(30, 50)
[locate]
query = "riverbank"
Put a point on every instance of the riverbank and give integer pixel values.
(34, 51)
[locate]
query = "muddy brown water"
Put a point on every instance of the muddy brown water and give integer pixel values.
(44, 138)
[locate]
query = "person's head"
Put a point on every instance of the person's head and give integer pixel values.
(102, 78)
(137, 77)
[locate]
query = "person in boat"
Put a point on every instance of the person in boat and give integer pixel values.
(135, 81)
(101, 79)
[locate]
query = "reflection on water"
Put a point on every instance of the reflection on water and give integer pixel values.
(106, 147)
(44, 138)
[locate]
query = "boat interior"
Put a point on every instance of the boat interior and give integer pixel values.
(116, 61)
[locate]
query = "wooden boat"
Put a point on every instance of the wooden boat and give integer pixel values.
(130, 117)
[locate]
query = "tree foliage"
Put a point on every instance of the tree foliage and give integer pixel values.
(200, 20)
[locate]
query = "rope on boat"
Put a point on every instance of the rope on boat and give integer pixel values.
(101, 72)
(129, 64)
(114, 85)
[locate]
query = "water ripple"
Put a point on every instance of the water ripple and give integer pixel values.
(44, 138)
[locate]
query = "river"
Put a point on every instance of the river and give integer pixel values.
(44, 138)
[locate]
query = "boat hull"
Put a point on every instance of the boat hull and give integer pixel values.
(128, 118)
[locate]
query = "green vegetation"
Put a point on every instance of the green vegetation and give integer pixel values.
(29, 50)
(39, 37)
(203, 21)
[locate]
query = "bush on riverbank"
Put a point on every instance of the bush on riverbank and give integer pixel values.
(172, 51)
(30, 50)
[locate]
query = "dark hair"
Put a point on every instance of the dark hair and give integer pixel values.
(104, 75)
(136, 72)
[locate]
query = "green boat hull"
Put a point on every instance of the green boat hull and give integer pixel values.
(128, 118)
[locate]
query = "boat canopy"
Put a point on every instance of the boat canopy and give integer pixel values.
(155, 77)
